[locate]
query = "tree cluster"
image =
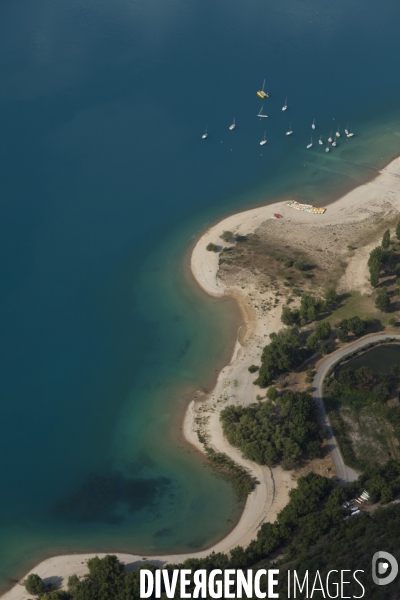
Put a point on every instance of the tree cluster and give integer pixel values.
(282, 354)
(321, 332)
(360, 387)
(310, 307)
(270, 433)
(378, 256)
(382, 301)
(375, 261)
(353, 325)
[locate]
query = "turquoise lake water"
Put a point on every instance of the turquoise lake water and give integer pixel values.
(105, 184)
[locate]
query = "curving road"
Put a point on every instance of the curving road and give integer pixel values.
(345, 474)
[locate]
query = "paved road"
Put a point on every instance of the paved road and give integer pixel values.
(345, 474)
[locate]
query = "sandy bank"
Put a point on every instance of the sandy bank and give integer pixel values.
(380, 198)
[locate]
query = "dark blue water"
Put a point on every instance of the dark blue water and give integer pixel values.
(104, 184)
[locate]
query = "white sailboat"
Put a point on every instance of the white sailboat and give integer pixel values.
(347, 129)
(284, 107)
(310, 144)
(264, 141)
(260, 114)
(334, 143)
(233, 124)
(290, 130)
(350, 134)
(320, 142)
(313, 125)
(338, 132)
(205, 134)
(327, 149)
(330, 139)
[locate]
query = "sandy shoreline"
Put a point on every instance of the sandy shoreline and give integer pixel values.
(380, 197)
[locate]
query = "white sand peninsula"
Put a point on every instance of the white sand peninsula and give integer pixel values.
(378, 199)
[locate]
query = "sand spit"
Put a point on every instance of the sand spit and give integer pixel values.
(380, 199)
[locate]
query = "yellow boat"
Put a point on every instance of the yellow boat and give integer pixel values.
(261, 93)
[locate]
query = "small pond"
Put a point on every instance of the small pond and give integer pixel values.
(379, 359)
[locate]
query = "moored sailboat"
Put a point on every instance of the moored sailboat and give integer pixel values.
(261, 115)
(261, 93)
(264, 141)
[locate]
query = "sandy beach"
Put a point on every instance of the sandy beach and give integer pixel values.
(376, 202)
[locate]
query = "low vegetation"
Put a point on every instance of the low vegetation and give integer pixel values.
(242, 481)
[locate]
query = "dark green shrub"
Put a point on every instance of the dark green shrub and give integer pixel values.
(212, 247)
(34, 584)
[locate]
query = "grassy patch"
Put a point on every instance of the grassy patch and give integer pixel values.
(357, 304)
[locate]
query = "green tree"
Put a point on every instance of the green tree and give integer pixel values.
(309, 374)
(342, 335)
(73, 583)
(287, 317)
(312, 342)
(398, 230)
(380, 393)
(331, 295)
(386, 240)
(382, 301)
(253, 368)
(323, 330)
(272, 393)
(375, 261)
(311, 314)
(374, 272)
(357, 325)
(324, 348)
(354, 325)
(34, 584)
(212, 247)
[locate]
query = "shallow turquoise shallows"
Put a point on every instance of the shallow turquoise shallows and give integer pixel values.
(105, 184)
